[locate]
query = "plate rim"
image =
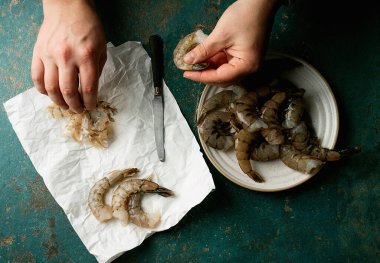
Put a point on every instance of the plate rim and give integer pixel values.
(334, 140)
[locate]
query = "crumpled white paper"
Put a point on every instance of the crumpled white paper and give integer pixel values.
(69, 169)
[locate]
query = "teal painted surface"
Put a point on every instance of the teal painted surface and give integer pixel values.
(334, 217)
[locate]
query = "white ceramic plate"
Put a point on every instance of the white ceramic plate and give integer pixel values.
(320, 105)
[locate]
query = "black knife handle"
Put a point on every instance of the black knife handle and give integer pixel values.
(156, 47)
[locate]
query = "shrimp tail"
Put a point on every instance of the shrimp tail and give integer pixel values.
(350, 151)
(163, 192)
(255, 176)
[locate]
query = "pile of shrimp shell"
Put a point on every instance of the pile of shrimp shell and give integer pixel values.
(93, 127)
(126, 198)
(262, 124)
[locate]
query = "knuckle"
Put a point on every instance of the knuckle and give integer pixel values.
(37, 78)
(52, 89)
(88, 89)
(68, 92)
(202, 51)
(63, 52)
(87, 53)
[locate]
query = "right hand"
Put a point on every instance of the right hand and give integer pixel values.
(70, 44)
(237, 44)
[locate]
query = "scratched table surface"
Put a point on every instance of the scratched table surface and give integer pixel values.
(333, 217)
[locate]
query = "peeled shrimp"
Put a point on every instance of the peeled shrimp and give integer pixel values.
(121, 201)
(99, 209)
(184, 46)
(269, 114)
(299, 161)
(220, 100)
(243, 145)
(216, 130)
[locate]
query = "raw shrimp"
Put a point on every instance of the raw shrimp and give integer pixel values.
(325, 154)
(269, 114)
(216, 130)
(243, 145)
(138, 216)
(220, 100)
(123, 193)
(247, 113)
(99, 209)
(294, 111)
(299, 136)
(184, 46)
(265, 152)
(299, 161)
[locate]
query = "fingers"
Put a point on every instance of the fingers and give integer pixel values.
(205, 50)
(52, 84)
(89, 77)
(68, 83)
(37, 74)
(226, 73)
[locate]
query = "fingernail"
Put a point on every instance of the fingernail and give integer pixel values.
(189, 57)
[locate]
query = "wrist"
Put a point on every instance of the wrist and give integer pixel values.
(53, 6)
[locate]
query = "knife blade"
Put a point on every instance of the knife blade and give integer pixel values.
(156, 47)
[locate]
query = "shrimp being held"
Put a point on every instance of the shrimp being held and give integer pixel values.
(121, 201)
(99, 209)
(184, 46)
(243, 145)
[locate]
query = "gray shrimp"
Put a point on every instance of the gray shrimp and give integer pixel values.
(299, 161)
(216, 130)
(243, 145)
(329, 155)
(126, 190)
(245, 109)
(294, 111)
(265, 152)
(99, 209)
(299, 136)
(184, 46)
(220, 100)
(269, 114)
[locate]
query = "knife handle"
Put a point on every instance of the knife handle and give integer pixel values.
(156, 47)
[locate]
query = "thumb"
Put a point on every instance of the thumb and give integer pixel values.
(202, 52)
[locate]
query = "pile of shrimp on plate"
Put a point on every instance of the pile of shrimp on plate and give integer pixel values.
(263, 124)
(126, 198)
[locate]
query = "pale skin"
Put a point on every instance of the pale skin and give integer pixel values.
(70, 50)
(236, 45)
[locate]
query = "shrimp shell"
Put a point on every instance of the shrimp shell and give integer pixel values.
(184, 46)
(220, 100)
(124, 191)
(294, 111)
(99, 209)
(265, 152)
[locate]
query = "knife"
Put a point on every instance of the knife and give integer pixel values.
(156, 47)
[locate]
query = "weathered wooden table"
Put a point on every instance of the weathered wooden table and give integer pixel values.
(333, 217)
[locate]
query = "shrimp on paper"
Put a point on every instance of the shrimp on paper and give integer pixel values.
(121, 201)
(99, 209)
(184, 46)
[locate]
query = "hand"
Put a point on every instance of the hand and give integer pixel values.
(237, 44)
(70, 44)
